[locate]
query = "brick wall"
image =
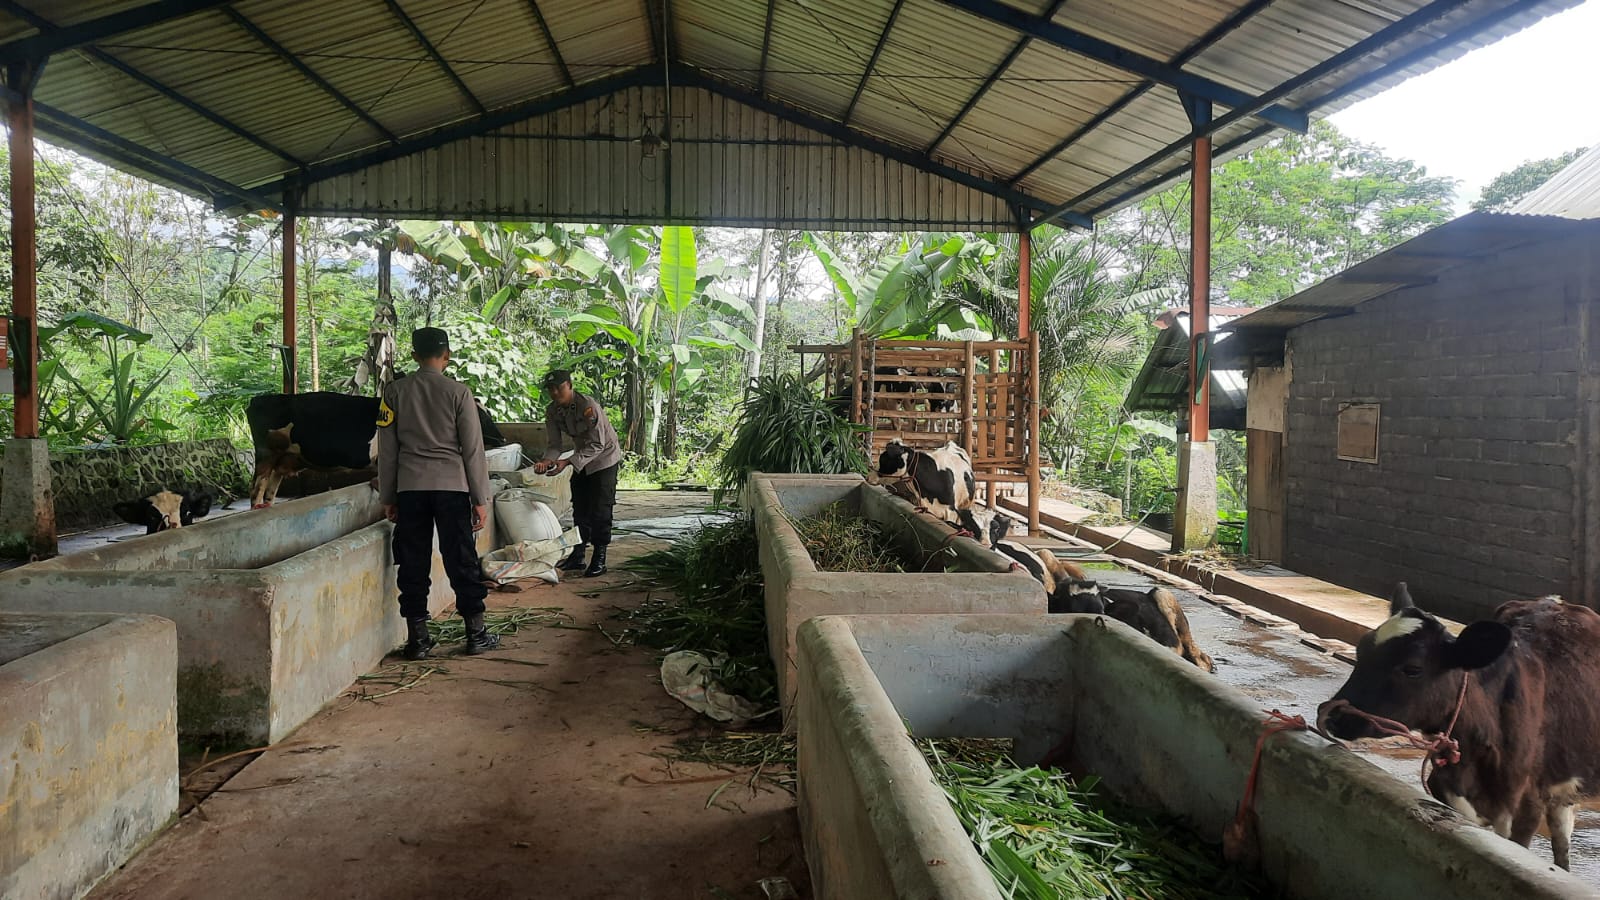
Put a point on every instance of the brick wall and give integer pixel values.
(1473, 499)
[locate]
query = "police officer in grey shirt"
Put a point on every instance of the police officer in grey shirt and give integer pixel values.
(596, 458)
(432, 474)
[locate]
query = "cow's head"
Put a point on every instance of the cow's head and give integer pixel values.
(895, 460)
(985, 525)
(1074, 596)
(157, 512)
(196, 505)
(1409, 669)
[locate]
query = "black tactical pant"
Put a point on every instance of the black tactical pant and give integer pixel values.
(450, 512)
(593, 496)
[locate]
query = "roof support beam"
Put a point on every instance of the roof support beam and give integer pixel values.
(766, 49)
(1392, 69)
(1205, 43)
(652, 20)
(433, 53)
(872, 61)
(550, 39)
(47, 28)
(52, 121)
(96, 30)
(647, 75)
(310, 74)
(1129, 61)
(993, 79)
(691, 77)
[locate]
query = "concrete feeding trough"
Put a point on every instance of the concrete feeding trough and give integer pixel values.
(89, 747)
(978, 580)
(1103, 700)
(277, 610)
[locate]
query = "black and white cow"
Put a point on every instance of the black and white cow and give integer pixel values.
(942, 477)
(319, 430)
(164, 509)
(991, 527)
(1519, 688)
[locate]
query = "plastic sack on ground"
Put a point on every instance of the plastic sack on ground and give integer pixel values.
(521, 515)
(692, 678)
(554, 491)
(529, 559)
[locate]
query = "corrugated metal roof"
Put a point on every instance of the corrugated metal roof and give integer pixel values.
(1163, 381)
(957, 90)
(1421, 260)
(1572, 193)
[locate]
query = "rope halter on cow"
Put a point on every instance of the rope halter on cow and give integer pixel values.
(1443, 750)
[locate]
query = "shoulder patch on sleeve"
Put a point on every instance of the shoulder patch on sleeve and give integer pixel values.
(385, 414)
(588, 412)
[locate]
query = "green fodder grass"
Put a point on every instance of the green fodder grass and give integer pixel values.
(841, 542)
(1045, 836)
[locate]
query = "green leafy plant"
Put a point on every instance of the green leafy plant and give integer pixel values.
(785, 427)
(116, 412)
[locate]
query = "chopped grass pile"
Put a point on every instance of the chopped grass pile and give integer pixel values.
(1045, 837)
(706, 596)
(841, 542)
(767, 757)
(498, 621)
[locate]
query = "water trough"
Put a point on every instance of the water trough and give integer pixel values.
(277, 610)
(1157, 731)
(979, 580)
(89, 746)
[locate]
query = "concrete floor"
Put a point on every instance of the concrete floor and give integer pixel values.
(1271, 666)
(492, 780)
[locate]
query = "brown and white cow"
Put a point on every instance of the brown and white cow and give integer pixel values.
(1155, 613)
(1528, 727)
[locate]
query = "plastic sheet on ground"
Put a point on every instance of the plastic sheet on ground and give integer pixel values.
(692, 678)
(530, 559)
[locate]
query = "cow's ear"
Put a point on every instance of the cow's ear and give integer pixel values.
(1400, 599)
(129, 512)
(1479, 645)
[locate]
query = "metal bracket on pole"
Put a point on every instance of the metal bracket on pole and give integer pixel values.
(1198, 109)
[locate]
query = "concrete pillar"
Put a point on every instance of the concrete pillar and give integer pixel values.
(1194, 524)
(27, 502)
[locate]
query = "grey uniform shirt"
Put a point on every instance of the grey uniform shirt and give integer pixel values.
(429, 439)
(593, 439)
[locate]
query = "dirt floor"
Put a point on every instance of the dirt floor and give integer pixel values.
(526, 773)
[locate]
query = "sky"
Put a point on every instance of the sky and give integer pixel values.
(1528, 96)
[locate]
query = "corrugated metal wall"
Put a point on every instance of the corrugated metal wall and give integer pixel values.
(728, 165)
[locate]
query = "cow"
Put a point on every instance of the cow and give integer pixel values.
(1516, 694)
(942, 477)
(165, 509)
(1155, 613)
(1043, 565)
(319, 430)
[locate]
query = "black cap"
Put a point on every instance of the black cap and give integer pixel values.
(429, 342)
(556, 378)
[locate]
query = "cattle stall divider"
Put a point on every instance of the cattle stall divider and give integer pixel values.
(983, 395)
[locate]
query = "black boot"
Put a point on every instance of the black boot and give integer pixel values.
(478, 637)
(597, 566)
(418, 641)
(574, 562)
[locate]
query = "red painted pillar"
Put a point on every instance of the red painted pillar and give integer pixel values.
(1199, 288)
(291, 359)
(24, 270)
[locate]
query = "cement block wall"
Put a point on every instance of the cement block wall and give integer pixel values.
(1474, 498)
(277, 610)
(1158, 732)
(90, 746)
(795, 590)
(87, 483)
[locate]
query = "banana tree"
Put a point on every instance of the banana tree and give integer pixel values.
(904, 295)
(500, 261)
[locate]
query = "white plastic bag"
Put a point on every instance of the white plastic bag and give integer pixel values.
(692, 678)
(529, 559)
